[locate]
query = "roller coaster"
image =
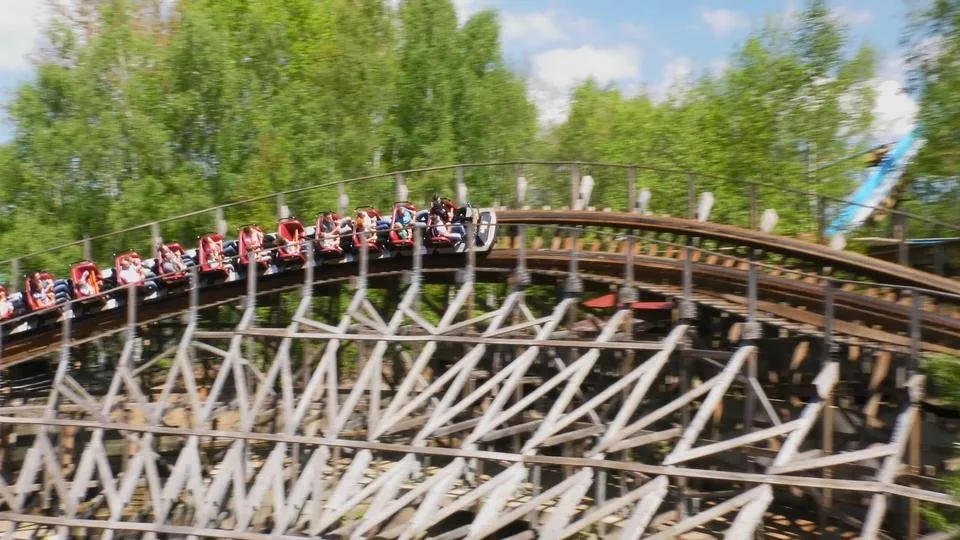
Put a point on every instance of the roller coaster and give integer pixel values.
(47, 300)
(617, 372)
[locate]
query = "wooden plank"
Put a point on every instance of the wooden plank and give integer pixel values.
(146, 528)
(707, 516)
(843, 327)
(629, 466)
(873, 452)
(730, 444)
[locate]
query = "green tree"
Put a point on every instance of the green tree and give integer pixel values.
(492, 118)
(427, 65)
(789, 91)
(933, 45)
(138, 113)
(944, 372)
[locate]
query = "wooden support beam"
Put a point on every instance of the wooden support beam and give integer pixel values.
(629, 466)
(690, 523)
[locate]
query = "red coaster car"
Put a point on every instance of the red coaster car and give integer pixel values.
(129, 269)
(87, 281)
(401, 224)
(210, 255)
(170, 266)
(6, 305)
(40, 291)
(290, 234)
(328, 235)
(366, 220)
(250, 244)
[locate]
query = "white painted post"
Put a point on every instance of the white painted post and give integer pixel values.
(400, 188)
(461, 187)
(251, 280)
(769, 220)
(643, 201)
(706, 205)
(583, 193)
(342, 199)
(15, 276)
(364, 260)
(221, 222)
(522, 277)
(156, 238)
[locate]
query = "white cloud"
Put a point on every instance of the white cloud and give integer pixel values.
(535, 28)
(722, 21)
(677, 76)
(895, 111)
(556, 72)
(548, 27)
(852, 17)
(21, 23)
(466, 8)
(719, 65)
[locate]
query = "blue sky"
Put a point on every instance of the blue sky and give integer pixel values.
(650, 45)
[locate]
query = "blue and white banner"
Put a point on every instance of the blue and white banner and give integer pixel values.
(879, 184)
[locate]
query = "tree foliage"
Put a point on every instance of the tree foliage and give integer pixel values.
(137, 113)
(944, 371)
(935, 45)
(790, 94)
(934, 49)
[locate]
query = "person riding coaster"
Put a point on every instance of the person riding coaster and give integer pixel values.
(446, 212)
(365, 223)
(439, 230)
(328, 232)
(86, 280)
(290, 234)
(171, 262)
(211, 255)
(404, 219)
(130, 270)
(291, 246)
(40, 290)
(443, 207)
(252, 239)
(136, 273)
(88, 284)
(6, 306)
(43, 291)
(401, 228)
(455, 217)
(213, 252)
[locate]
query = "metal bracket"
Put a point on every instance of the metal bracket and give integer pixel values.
(573, 285)
(627, 294)
(752, 331)
(688, 310)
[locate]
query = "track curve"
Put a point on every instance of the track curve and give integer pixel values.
(860, 314)
(880, 320)
(856, 263)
